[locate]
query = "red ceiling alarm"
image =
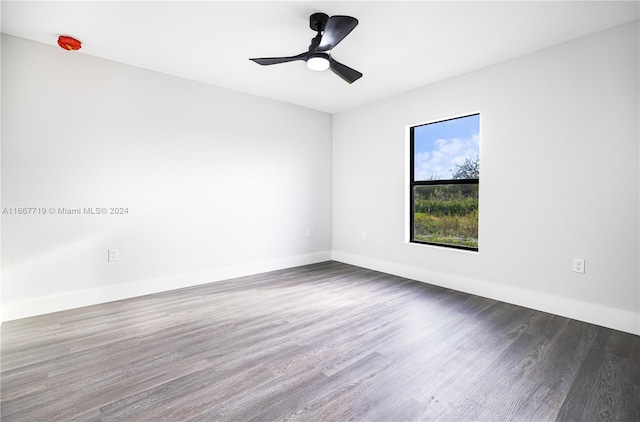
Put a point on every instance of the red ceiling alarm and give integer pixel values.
(69, 43)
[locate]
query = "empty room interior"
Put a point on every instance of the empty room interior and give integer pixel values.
(320, 211)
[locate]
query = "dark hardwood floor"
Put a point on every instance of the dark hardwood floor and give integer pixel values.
(324, 342)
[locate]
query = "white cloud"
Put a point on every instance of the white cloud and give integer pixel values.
(447, 153)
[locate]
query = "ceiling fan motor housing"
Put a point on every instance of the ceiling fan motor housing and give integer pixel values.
(317, 21)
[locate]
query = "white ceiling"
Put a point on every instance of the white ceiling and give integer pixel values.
(398, 46)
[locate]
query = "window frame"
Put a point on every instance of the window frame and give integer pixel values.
(443, 182)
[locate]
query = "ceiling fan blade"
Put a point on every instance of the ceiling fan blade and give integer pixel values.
(276, 60)
(335, 30)
(345, 72)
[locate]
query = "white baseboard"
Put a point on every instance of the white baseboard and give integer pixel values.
(77, 299)
(583, 311)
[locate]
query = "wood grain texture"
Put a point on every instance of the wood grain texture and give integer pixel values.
(328, 342)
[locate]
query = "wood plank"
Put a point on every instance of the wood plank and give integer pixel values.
(596, 393)
(327, 341)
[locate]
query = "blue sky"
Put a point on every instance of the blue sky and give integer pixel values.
(440, 146)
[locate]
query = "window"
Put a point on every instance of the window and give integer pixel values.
(444, 182)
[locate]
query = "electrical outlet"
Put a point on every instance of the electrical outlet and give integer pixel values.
(113, 255)
(364, 236)
(578, 265)
(308, 232)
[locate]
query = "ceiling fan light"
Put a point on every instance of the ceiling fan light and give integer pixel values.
(318, 62)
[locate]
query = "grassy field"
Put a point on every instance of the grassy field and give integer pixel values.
(446, 215)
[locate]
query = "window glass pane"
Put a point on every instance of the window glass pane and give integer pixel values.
(446, 214)
(447, 150)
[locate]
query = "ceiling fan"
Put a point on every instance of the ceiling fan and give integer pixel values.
(330, 31)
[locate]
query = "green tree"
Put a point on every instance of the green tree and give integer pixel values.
(469, 169)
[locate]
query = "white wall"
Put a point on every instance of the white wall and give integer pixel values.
(217, 183)
(220, 184)
(559, 137)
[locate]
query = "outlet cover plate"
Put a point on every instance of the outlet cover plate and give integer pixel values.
(578, 265)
